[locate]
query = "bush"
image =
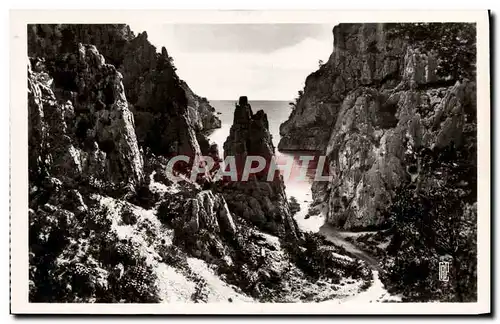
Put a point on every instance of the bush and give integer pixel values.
(128, 217)
(144, 197)
(294, 205)
(136, 285)
(173, 256)
(454, 43)
(433, 224)
(172, 207)
(76, 260)
(201, 292)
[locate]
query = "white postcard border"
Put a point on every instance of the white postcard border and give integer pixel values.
(19, 156)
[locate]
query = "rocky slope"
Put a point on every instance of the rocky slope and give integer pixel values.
(87, 160)
(388, 92)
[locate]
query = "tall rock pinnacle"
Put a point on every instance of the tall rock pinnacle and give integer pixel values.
(262, 202)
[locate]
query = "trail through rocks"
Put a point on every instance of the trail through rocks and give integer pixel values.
(338, 237)
(376, 292)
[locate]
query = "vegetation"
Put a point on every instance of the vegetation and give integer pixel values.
(294, 205)
(436, 222)
(171, 61)
(454, 44)
(295, 103)
(77, 258)
(314, 257)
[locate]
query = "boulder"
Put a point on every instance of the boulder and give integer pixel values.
(207, 211)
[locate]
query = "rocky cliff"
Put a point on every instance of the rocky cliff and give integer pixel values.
(200, 112)
(387, 92)
(167, 114)
(258, 200)
(106, 112)
(88, 135)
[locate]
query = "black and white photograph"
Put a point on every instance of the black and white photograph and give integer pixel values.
(262, 166)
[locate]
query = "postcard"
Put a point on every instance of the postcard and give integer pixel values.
(250, 162)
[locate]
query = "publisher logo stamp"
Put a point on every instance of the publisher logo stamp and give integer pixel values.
(444, 269)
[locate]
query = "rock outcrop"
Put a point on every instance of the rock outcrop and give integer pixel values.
(371, 108)
(210, 212)
(258, 200)
(200, 112)
(90, 138)
(362, 56)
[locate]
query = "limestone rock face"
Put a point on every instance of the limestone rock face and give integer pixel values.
(210, 212)
(114, 129)
(372, 155)
(50, 40)
(262, 202)
(375, 104)
(159, 102)
(155, 93)
(200, 112)
(363, 55)
(85, 132)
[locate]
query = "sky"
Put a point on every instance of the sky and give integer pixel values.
(225, 61)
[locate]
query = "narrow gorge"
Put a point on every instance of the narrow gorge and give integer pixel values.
(107, 111)
(393, 110)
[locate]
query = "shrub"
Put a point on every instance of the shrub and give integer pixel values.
(294, 205)
(75, 260)
(201, 292)
(434, 224)
(173, 256)
(128, 216)
(172, 207)
(144, 197)
(454, 43)
(137, 285)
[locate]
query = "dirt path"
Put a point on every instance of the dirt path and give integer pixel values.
(377, 291)
(335, 236)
